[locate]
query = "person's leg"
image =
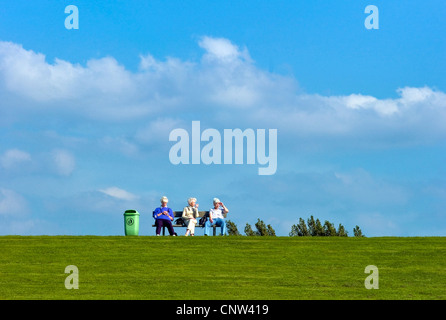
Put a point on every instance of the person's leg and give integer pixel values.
(158, 224)
(207, 225)
(222, 224)
(223, 227)
(191, 226)
(187, 222)
(169, 226)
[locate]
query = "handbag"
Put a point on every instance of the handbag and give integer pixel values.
(180, 222)
(202, 221)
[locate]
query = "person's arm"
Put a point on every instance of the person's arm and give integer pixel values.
(184, 216)
(171, 216)
(210, 215)
(156, 213)
(194, 213)
(224, 207)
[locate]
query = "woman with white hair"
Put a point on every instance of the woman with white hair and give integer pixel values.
(163, 217)
(190, 215)
(217, 216)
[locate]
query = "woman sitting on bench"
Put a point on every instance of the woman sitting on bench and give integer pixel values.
(190, 215)
(164, 217)
(216, 217)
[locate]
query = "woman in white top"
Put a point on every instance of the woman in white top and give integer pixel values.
(217, 216)
(190, 215)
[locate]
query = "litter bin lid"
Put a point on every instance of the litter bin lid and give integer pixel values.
(131, 212)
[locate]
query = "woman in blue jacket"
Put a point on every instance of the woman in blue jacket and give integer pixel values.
(164, 217)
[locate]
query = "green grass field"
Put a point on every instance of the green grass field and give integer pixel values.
(220, 268)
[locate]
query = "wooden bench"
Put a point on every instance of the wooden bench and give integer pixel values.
(179, 215)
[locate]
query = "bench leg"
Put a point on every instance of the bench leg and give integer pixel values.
(214, 227)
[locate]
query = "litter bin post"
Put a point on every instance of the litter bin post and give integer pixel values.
(131, 222)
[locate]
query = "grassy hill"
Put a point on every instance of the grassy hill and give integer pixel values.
(221, 267)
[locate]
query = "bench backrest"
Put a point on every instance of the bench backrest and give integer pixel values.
(179, 214)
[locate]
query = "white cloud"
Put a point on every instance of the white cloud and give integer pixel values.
(27, 73)
(222, 50)
(12, 203)
(102, 89)
(64, 162)
(14, 157)
(414, 95)
(409, 97)
(225, 84)
(118, 193)
(357, 101)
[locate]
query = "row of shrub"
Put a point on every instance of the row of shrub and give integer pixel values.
(312, 228)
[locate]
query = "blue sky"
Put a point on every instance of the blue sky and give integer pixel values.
(85, 115)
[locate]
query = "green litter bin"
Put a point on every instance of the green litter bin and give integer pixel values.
(131, 222)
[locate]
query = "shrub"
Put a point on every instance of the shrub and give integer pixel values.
(316, 229)
(232, 228)
(357, 232)
(248, 230)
